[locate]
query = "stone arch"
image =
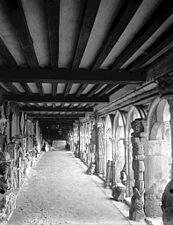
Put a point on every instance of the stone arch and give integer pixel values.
(157, 155)
(150, 117)
(108, 141)
(101, 145)
(118, 143)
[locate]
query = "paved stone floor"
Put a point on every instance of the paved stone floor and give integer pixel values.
(59, 192)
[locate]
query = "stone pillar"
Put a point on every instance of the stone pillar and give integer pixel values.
(136, 212)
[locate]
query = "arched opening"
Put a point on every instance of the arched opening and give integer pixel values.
(158, 156)
(101, 146)
(108, 142)
(118, 144)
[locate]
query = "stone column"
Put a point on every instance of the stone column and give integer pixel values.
(136, 212)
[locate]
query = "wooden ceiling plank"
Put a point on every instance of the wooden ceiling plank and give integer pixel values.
(6, 55)
(52, 9)
(58, 98)
(80, 89)
(119, 28)
(94, 89)
(88, 19)
(67, 89)
(17, 18)
(55, 109)
(26, 88)
(164, 11)
(79, 76)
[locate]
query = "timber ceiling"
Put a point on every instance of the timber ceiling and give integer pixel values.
(59, 58)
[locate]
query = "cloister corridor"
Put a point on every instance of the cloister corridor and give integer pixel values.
(58, 191)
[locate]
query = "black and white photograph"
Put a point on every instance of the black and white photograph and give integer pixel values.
(86, 112)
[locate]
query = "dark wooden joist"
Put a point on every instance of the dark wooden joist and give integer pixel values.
(63, 75)
(88, 19)
(56, 116)
(167, 41)
(40, 88)
(26, 88)
(35, 98)
(15, 12)
(115, 89)
(6, 56)
(55, 109)
(52, 9)
(62, 105)
(54, 89)
(2, 90)
(56, 120)
(131, 8)
(12, 88)
(71, 105)
(105, 89)
(67, 89)
(94, 89)
(163, 65)
(80, 89)
(163, 12)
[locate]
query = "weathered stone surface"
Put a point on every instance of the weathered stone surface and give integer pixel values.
(153, 206)
(118, 192)
(136, 212)
(91, 169)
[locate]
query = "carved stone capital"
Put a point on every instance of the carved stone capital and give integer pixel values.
(139, 127)
(165, 85)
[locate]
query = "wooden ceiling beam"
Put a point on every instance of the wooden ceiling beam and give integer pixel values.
(15, 12)
(131, 8)
(58, 116)
(55, 109)
(167, 41)
(63, 76)
(7, 57)
(40, 88)
(89, 15)
(26, 88)
(58, 98)
(52, 9)
(164, 11)
(67, 89)
(80, 89)
(54, 89)
(56, 121)
(94, 89)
